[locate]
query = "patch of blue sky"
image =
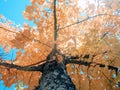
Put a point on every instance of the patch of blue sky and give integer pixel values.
(67, 2)
(82, 72)
(118, 36)
(48, 1)
(114, 76)
(43, 16)
(83, 32)
(83, 14)
(73, 66)
(13, 9)
(11, 55)
(48, 10)
(12, 87)
(25, 86)
(91, 77)
(3, 87)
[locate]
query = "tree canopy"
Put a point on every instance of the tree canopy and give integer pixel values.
(85, 34)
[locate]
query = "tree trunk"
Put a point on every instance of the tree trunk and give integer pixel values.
(55, 77)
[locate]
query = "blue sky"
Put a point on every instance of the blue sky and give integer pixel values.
(11, 55)
(12, 10)
(2, 87)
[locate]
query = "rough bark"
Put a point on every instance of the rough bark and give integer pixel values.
(55, 77)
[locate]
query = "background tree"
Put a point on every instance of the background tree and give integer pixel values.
(84, 37)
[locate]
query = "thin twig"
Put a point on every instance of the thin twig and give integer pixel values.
(84, 20)
(26, 37)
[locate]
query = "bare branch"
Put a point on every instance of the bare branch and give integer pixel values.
(33, 67)
(73, 61)
(24, 68)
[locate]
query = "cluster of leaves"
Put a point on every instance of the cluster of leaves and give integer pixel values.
(92, 33)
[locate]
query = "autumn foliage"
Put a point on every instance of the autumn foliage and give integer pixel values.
(89, 30)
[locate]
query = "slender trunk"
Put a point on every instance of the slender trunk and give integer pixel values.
(55, 28)
(55, 77)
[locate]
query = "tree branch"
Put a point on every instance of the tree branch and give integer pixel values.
(88, 18)
(73, 61)
(24, 68)
(26, 37)
(39, 66)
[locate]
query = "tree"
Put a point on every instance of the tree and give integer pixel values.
(68, 40)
